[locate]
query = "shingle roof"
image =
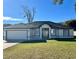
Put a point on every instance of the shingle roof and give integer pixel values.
(36, 24)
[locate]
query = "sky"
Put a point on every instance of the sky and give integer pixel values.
(45, 10)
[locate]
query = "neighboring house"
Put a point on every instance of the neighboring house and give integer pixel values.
(38, 30)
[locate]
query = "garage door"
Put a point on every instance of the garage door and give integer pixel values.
(17, 35)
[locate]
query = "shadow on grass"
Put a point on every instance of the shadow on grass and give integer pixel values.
(29, 41)
(42, 41)
(64, 39)
(35, 41)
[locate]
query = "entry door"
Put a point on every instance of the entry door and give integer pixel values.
(45, 33)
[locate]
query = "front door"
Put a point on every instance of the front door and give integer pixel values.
(45, 33)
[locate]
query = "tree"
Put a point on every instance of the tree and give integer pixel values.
(71, 23)
(58, 2)
(29, 13)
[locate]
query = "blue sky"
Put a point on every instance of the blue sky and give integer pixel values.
(45, 10)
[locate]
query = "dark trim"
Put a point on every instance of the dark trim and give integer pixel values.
(39, 27)
(14, 28)
(21, 28)
(60, 28)
(35, 28)
(17, 30)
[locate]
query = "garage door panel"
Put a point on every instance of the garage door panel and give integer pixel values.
(17, 35)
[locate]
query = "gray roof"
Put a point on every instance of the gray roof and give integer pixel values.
(36, 24)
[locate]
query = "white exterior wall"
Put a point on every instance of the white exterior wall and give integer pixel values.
(57, 33)
(16, 34)
(23, 33)
(35, 34)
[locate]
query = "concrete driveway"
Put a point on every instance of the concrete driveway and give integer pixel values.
(7, 45)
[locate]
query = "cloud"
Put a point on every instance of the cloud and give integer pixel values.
(11, 18)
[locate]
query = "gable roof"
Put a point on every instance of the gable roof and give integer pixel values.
(36, 24)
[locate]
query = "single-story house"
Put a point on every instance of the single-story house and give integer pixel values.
(38, 30)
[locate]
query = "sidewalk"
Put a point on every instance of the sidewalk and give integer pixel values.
(6, 45)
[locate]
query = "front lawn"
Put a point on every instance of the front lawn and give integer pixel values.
(50, 50)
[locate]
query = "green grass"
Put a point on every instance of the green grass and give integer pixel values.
(50, 50)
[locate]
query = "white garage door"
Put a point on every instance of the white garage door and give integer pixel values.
(18, 35)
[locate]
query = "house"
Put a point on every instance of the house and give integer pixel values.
(38, 30)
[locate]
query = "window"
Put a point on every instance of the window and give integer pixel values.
(66, 32)
(57, 32)
(60, 32)
(34, 32)
(53, 32)
(71, 32)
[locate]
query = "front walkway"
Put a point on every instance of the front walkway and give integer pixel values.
(6, 45)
